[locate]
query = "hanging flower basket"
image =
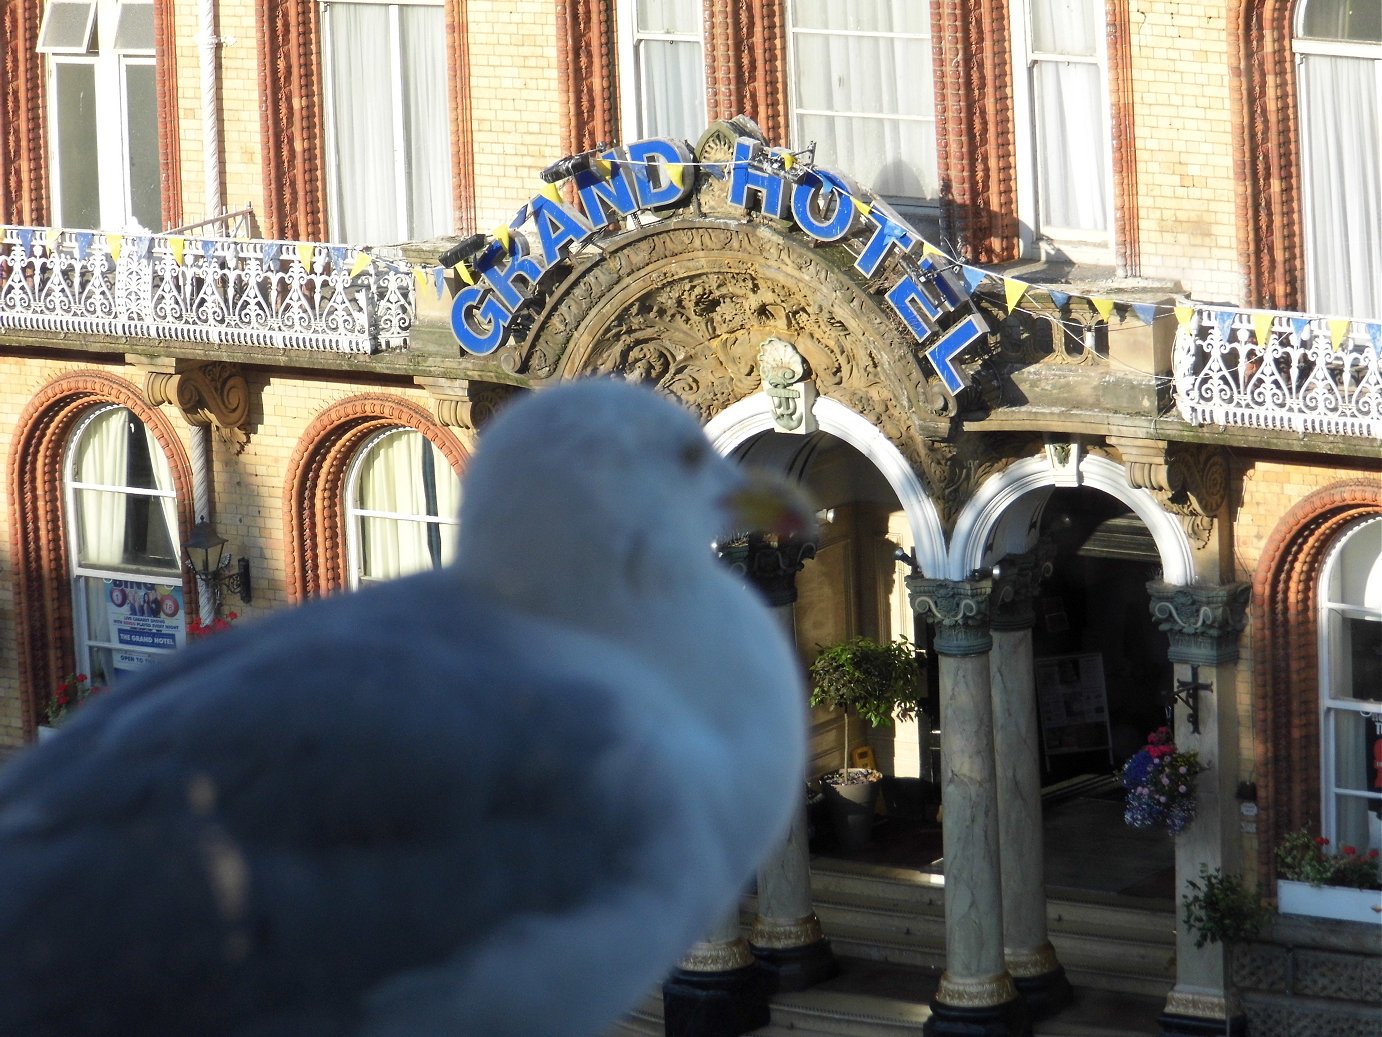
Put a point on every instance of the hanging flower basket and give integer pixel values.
(1161, 784)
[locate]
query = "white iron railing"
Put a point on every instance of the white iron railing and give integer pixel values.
(1279, 371)
(289, 295)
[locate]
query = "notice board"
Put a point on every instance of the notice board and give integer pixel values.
(1073, 704)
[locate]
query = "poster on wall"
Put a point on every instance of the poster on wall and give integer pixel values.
(1073, 703)
(142, 620)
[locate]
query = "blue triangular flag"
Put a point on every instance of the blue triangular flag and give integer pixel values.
(207, 246)
(26, 240)
(1059, 299)
(1145, 311)
(1224, 320)
(1299, 326)
(83, 243)
(973, 277)
(269, 252)
(338, 255)
(438, 279)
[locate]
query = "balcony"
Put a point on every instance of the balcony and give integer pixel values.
(231, 291)
(1279, 371)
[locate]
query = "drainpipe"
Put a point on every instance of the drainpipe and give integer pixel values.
(211, 93)
(202, 511)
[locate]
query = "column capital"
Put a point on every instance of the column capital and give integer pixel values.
(769, 564)
(1203, 622)
(958, 609)
(1016, 581)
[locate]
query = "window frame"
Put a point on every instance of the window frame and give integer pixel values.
(629, 50)
(353, 513)
(1331, 706)
(928, 209)
(79, 572)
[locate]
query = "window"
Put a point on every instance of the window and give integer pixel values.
(127, 581)
(103, 121)
(402, 503)
(1065, 163)
(662, 69)
(1338, 48)
(1351, 688)
(861, 88)
(387, 122)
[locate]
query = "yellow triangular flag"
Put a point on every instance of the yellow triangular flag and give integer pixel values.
(463, 272)
(362, 260)
(501, 235)
(928, 249)
(603, 165)
(420, 277)
(114, 242)
(864, 207)
(1262, 328)
(1184, 313)
(1013, 291)
(53, 236)
(550, 192)
(1103, 307)
(676, 172)
(306, 250)
(1338, 328)
(177, 245)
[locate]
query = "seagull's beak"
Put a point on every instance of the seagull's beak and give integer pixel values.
(767, 503)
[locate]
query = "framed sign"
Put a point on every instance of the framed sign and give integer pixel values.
(1072, 702)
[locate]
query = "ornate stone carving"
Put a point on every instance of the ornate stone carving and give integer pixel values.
(787, 385)
(1016, 580)
(769, 564)
(959, 610)
(983, 992)
(781, 933)
(461, 403)
(1028, 964)
(212, 393)
(1189, 481)
(719, 956)
(1202, 1006)
(1202, 622)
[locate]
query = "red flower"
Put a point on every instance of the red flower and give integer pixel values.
(1347, 851)
(1321, 841)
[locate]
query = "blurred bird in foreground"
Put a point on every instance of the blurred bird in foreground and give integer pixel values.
(498, 799)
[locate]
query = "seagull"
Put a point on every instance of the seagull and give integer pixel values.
(501, 798)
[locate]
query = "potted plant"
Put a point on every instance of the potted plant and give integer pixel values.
(878, 682)
(64, 700)
(1160, 781)
(1219, 908)
(1311, 880)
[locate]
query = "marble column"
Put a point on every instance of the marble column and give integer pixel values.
(717, 989)
(976, 995)
(786, 937)
(1027, 949)
(1203, 623)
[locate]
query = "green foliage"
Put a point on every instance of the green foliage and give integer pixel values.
(1303, 857)
(877, 681)
(1220, 908)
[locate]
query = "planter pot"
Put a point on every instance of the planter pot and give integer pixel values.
(851, 809)
(45, 732)
(1340, 902)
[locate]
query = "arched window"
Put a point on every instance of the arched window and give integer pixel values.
(1338, 47)
(402, 498)
(123, 527)
(1351, 688)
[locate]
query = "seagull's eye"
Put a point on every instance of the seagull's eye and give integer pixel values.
(693, 455)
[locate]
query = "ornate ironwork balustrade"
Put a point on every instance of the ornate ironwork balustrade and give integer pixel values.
(1279, 371)
(236, 291)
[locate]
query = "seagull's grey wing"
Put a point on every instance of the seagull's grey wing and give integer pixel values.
(284, 828)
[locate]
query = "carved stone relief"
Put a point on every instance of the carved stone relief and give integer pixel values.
(212, 393)
(1190, 481)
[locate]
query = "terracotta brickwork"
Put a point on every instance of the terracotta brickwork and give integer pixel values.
(23, 183)
(586, 71)
(1278, 685)
(746, 65)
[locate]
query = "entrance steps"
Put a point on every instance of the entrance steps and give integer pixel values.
(886, 927)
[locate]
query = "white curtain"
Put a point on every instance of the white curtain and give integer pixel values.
(427, 130)
(362, 123)
(671, 72)
(167, 503)
(401, 476)
(1342, 155)
(102, 458)
(1072, 146)
(867, 100)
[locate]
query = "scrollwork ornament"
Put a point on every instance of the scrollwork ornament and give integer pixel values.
(958, 609)
(1203, 622)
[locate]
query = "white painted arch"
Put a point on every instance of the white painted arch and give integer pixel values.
(753, 414)
(1001, 518)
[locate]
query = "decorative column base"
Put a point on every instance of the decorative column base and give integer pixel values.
(717, 991)
(794, 954)
(966, 1009)
(1041, 980)
(1190, 1014)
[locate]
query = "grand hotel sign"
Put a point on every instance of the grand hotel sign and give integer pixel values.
(502, 270)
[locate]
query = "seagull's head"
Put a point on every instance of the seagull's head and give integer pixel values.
(609, 470)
